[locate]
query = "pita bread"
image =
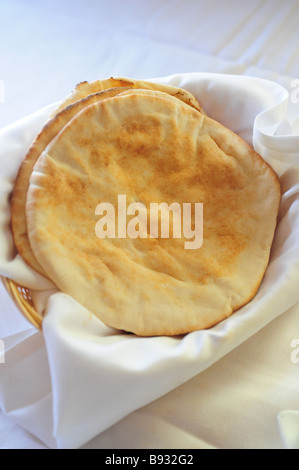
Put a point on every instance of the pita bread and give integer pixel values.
(86, 88)
(152, 150)
(18, 204)
(84, 94)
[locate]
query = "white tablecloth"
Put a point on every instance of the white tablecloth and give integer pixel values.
(249, 398)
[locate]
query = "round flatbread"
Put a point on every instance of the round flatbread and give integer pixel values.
(84, 94)
(86, 88)
(146, 150)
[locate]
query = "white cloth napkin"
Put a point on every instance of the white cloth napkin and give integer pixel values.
(288, 424)
(77, 377)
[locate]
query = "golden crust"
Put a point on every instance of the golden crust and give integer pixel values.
(86, 88)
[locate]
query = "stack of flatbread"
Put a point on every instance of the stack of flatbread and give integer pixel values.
(151, 144)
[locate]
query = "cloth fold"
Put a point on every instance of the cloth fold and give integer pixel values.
(81, 376)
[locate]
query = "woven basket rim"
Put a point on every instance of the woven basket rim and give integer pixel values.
(23, 300)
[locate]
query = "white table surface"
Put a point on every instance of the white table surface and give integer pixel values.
(45, 49)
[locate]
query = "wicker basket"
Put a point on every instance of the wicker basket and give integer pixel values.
(23, 300)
